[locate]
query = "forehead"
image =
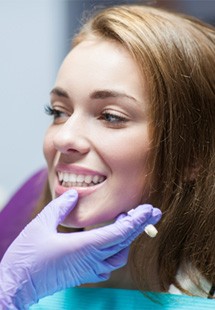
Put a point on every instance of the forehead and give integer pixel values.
(102, 63)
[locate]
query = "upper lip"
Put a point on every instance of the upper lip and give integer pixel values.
(71, 168)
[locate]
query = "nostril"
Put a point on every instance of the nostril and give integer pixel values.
(72, 150)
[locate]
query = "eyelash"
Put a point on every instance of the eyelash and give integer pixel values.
(110, 118)
(117, 118)
(53, 112)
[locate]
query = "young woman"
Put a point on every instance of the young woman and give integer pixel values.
(133, 122)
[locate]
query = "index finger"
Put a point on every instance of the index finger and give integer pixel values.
(125, 228)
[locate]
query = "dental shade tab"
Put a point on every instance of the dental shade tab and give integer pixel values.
(150, 229)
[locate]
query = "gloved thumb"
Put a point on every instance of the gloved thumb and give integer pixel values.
(57, 210)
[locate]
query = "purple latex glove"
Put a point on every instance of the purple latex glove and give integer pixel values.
(42, 261)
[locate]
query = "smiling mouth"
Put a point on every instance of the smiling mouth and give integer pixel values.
(79, 180)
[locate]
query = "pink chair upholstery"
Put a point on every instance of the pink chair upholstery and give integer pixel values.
(17, 212)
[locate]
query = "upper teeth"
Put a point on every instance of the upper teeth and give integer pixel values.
(79, 178)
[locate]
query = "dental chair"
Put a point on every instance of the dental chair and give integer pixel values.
(17, 212)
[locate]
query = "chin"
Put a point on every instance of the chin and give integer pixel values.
(80, 222)
(76, 221)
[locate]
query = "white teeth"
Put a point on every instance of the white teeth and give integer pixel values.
(60, 176)
(95, 179)
(79, 180)
(88, 179)
(72, 177)
(66, 177)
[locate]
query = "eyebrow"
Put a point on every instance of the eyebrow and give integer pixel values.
(59, 92)
(103, 94)
(97, 94)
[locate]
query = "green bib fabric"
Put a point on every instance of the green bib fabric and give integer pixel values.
(119, 299)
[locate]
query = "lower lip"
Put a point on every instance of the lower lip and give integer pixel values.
(82, 191)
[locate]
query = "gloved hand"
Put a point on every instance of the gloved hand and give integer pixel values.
(42, 261)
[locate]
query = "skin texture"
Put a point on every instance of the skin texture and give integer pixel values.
(102, 125)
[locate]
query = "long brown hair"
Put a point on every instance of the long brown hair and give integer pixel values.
(176, 55)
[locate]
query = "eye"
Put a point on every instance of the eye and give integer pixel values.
(57, 114)
(113, 119)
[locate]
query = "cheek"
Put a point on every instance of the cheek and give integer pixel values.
(128, 159)
(130, 170)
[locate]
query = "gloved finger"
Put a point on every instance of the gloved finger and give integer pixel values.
(118, 260)
(156, 214)
(116, 233)
(102, 277)
(112, 263)
(113, 249)
(121, 216)
(57, 210)
(122, 229)
(152, 220)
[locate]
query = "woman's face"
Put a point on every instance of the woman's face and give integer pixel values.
(99, 140)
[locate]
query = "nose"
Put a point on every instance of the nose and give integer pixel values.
(71, 137)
